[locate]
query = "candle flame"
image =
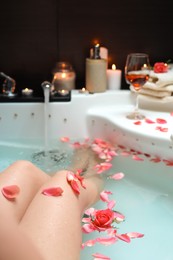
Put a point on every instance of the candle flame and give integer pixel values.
(113, 67)
(63, 75)
(26, 89)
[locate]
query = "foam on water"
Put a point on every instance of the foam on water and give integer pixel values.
(56, 156)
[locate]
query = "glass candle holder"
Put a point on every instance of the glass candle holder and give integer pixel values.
(63, 77)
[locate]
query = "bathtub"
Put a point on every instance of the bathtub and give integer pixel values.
(144, 195)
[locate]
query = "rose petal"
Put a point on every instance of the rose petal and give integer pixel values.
(123, 237)
(106, 240)
(149, 121)
(75, 186)
(156, 160)
(164, 129)
(117, 176)
(137, 123)
(89, 243)
(137, 158)
(65, 139)
(168, 163)
(54, 191)
(98, 256)
(161, 121)
(125, 153)
(135, 235)
(104, 195)
(10, 192)
(88, 228)
(111, 204)
(89, 211)
(103, 167)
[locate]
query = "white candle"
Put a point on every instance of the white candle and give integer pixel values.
(27, 92)
(114, 78)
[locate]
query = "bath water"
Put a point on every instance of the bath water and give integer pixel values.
(144, 196)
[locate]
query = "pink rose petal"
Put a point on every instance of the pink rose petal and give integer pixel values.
(65, 139)
(111, 204)
(135, 235)
(89, 243)
(103, 167)
(104, 195)
(149, 121)
(117, 176)
(98, 256)
(123, 237)
(125, 153)
(137, 158)
(88, 228)
(106, 240)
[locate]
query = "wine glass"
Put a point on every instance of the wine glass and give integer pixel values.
(137, 69)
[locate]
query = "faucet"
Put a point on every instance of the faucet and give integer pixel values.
(49, 91)
(46, 85)
(8, 86)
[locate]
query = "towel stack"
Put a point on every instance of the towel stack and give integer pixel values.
(157, 93)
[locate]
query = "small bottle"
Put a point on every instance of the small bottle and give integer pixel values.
(96, 77)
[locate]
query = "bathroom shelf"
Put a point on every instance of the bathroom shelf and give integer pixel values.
(20, 98)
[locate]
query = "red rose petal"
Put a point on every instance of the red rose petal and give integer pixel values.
(161, 121)
(137, 123)
(54, 191)
(10, 192)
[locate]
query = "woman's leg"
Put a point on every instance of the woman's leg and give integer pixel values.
(15, 244)
(54, 223)
(28, 179)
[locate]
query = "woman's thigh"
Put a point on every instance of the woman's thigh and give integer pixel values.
(24, 177)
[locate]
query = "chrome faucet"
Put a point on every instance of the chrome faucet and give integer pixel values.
(8, 86)
(46, 85)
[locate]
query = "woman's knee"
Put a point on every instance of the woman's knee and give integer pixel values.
(26, 169)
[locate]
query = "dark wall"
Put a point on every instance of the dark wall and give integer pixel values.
(34, 35)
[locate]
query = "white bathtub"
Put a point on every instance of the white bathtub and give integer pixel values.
(144, 195)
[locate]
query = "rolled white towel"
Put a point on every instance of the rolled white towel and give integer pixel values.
(157, 104)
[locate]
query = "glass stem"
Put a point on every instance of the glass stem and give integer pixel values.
(137, 103)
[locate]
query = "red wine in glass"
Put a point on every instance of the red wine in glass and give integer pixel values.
(137, 74)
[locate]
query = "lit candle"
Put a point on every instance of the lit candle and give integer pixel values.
(63, 92)
(83, 91)
(114, 78)
(27, 92)
(64, 81)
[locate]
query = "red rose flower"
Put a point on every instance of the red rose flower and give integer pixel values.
(103, 219)
(160, 67)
